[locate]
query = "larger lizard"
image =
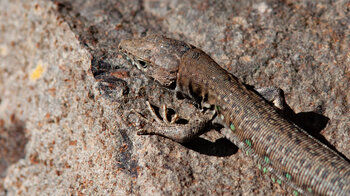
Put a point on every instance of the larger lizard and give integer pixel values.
(281, 147)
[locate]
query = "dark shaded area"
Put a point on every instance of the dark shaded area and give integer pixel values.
(123, 157)
(111, 87)
(100, 67)
(12, 145)
(221, 147)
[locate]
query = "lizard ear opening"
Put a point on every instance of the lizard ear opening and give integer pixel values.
(142, 63)
(172, 86)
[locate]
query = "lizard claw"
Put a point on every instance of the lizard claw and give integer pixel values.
(174, 119)
(164, 114)
(153, 113)
(142, 132)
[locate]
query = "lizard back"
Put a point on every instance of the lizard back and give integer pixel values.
(277, 144)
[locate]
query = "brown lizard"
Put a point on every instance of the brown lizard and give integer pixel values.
(278, 145)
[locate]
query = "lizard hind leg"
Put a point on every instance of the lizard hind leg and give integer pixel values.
(175, 131)
(274, 95)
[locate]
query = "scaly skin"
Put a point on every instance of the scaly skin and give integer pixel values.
(281, 147)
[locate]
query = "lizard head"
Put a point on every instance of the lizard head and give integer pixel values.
(157, 56)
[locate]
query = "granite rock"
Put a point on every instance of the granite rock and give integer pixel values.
(70, 105)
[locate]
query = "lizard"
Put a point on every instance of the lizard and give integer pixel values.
(250, 121)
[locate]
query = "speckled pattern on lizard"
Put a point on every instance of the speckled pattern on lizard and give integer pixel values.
(254, 125)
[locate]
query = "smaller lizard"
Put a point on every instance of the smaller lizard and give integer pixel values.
(277, 144)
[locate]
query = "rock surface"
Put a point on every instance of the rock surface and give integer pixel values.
(68, 100)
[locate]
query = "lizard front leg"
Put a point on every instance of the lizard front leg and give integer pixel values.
(197, 123)
(176, 131)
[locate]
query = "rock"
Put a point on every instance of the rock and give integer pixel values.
(69, 102)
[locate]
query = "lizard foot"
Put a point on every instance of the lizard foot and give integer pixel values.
(172, 129)
(164, 115)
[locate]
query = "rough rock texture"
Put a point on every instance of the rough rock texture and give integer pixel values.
(69, 102)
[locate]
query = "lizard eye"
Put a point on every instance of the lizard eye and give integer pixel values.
(142, 63)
